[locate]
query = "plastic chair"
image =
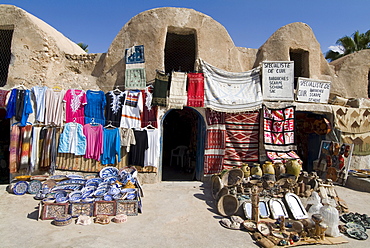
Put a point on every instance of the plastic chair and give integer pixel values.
(179, 153)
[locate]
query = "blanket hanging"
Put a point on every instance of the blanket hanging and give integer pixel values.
(178, 96)
(195, 90)
(231, 92)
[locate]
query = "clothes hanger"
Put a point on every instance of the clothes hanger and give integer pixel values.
(57, 88)
(117, 90)
(149, 126)
(20, 86)
(93, 123)
(109, 125)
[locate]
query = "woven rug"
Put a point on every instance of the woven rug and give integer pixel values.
(135, 78)
(351, 120)
(361, 142)
(214, 117)
(160, 89)
(214, 149)
(178, 96)
(242, 132)
(231, 92)
(279, 129)
(282, 155)
(134, 55)
(195, 90)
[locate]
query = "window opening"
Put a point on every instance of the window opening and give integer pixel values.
(6, 36)
(180, 51)
(301, 64)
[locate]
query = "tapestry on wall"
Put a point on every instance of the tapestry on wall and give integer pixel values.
(279, 132)
(135, 78)
(231, 92)
(178, 96)
(361, 142)
(242, 132)
(214, 149)
(160, 89)
(195, 90)
(351, 120)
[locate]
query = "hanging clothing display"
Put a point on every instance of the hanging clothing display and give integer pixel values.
(152, 153)
(149, 113)
(127, 138)
(94, 141)
(48, 150)
(131, 109)
(19, 104)
(26, 108)
(113, 107)
(75, 100)
(160, 89)
(10, 108)
(178, 95)
(39, 96)
(25, 146)
(54, 110)
(111, 146)
(95, 106)
(242, 138)
(137, 151)
(72, 139)
(231, 92)
(195, 90)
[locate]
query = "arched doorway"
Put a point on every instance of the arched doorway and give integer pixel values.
(183, 145)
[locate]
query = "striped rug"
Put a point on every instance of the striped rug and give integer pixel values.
(242, 132)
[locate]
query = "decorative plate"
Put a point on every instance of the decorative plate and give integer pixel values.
(60, 193)
(356, 233)
(58, 177)
(95, 180)
(20, 188)
(86, 191)
(72, 181)
(75, 195)
(131, 196)
(107, 197)
(61, 199)
(88, 199)
(68, 187)
(39, 177)
(110, 180)
(263, 228)
(128, 190)
(100, 192)
(34, 187)
(73, 176)
(355, 225)
(109, 171)
(114, 191)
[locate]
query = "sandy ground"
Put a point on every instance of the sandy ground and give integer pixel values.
(175, 214)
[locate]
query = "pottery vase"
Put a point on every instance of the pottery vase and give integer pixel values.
(268, 168)
(246, 170)
(293, 167)
(256, 170)
(279, 168)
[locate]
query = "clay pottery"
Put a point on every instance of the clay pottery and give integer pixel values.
(268, 168)
(256, 170)
(279, 168)
(246, 170)
(293, 167)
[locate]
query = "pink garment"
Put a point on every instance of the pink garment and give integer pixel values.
(74, 108)
(94, 141)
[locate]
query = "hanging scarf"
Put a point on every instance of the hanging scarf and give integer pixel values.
(195, 90)
(35, 149)
(3, 94)
(25, 153)
(160, 89)
(148, 98)
(178, 97)
(14, 149)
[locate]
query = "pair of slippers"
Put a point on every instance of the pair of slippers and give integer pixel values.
(234, 223)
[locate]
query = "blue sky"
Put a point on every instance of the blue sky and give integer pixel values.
(249, 23)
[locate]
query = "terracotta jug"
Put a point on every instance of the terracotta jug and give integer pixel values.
(279, 168)
(293, 167)
(256, 170)
(246, 170)
(268, 168)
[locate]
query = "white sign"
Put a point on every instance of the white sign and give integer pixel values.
(278, 80)
(312, 90)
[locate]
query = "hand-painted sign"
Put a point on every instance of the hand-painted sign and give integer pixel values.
(312, 90)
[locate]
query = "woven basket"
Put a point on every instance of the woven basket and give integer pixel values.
(216, 185)
(227, 205)
(232, 177)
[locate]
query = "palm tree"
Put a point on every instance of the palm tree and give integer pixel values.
(83, 46)
(350, 44)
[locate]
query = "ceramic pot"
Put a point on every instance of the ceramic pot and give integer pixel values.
(256, 170)
(246, 170)
(268, 168)
(293, 167)
(279, 168)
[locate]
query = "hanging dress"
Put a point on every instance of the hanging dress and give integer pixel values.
(111, 146)
(113, 107)
(94, 141)
(75, 100)
(131, 109)
(95, 106)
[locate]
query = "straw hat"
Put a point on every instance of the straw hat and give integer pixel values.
(227, 205)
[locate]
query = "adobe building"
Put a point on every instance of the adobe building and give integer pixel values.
(34, 53)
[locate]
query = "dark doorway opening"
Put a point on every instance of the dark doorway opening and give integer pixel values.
(368, 85)
(301, 64)
(6, 36)
(180, 129)
(180, 51)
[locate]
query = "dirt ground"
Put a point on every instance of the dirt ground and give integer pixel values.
(175, 214)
